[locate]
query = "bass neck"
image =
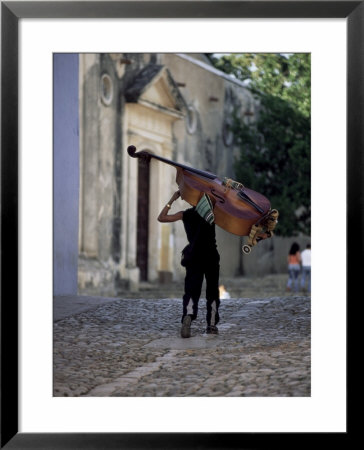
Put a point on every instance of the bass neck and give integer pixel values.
(202, 173)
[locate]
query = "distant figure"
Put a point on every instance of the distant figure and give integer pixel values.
(223, 292)
(294, 268)
(306, 268)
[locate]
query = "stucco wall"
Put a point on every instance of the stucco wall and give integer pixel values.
(109, 177)
(65, 174)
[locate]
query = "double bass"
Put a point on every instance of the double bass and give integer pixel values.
(237, 209)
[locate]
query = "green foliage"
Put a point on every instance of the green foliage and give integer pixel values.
(275, 149)
(275, 160)
(287, 76)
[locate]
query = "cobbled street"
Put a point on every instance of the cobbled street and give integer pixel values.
(132, 346)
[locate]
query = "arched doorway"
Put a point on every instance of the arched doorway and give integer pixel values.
(153, 104)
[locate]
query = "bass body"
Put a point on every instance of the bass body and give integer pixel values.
(236, 208)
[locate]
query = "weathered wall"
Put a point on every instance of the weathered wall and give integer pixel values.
(65, 174)
(111, 120)
(100, 174)
(203, 141)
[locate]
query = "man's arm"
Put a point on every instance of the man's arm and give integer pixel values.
(163, 215)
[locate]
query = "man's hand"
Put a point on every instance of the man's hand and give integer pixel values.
(262, 236)
(175, 196)
(164, 216)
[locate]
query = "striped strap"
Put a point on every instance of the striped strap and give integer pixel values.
(205, 209)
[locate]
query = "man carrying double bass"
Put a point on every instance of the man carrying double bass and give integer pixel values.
(201, 259)
(240, 211)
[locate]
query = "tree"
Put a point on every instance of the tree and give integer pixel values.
(275, 150)
(286, 76)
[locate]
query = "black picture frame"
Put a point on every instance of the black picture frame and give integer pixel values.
(11, 12)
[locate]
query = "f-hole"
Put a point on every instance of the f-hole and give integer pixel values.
(143, 218)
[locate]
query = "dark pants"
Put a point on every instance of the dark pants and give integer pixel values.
(195, 273)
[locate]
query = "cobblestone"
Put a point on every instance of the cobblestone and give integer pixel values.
(132, 347)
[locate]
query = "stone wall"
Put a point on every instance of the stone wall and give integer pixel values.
(173, 105)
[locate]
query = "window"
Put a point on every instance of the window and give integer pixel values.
(107, 89)
(191, 119)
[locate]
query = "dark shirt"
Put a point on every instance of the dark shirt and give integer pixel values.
(195, 225)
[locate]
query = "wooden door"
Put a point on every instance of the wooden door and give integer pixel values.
(143, 218)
